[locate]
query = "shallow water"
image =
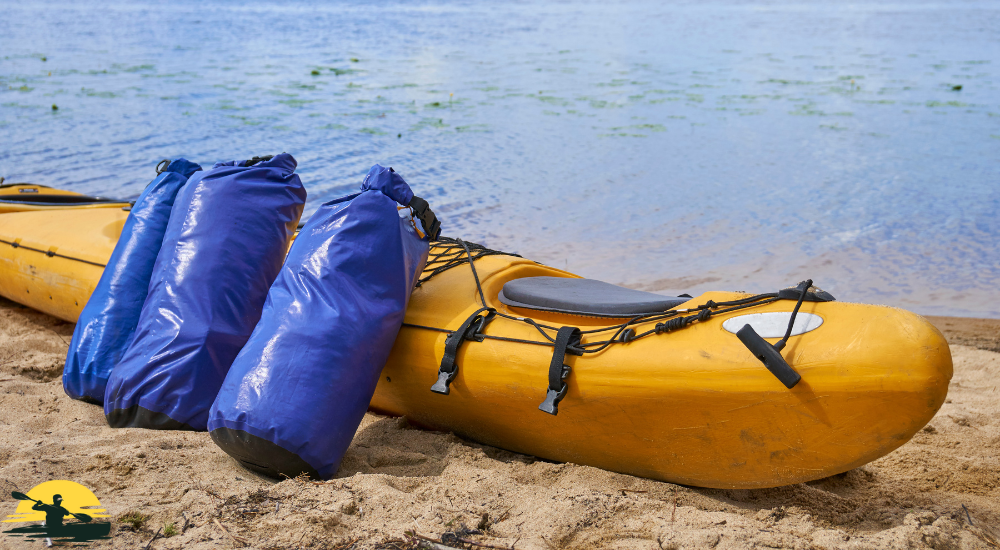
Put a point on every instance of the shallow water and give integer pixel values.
(727, 145)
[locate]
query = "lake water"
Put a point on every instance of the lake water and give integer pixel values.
(675, 148)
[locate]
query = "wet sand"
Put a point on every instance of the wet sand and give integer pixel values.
(940, 490)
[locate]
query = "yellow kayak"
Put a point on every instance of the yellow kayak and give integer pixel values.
(30, 197)
(675, 394)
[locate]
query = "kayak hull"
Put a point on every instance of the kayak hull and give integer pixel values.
(693, 406)
(52, 261)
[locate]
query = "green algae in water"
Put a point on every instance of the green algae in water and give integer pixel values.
(372, 131)
(650, 127)
(552, 100)
(428, 123)
(138, 68)
(94, 93)
(946, 104)
(297, 102)
(788, 82)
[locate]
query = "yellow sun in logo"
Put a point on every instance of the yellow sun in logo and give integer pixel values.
(77, 499)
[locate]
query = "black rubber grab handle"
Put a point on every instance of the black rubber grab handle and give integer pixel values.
(769, 356)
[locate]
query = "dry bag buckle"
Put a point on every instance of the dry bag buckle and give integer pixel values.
(422, 210)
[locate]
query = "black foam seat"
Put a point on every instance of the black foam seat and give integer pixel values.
(584, 297)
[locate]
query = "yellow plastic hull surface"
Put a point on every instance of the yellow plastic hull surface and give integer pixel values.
(691, 406)
(51, 260)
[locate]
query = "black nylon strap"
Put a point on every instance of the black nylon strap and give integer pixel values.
(567, 341)
(256, 160)
(467, 331)
(427, 218)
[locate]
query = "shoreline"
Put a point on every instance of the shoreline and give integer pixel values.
(395, 478)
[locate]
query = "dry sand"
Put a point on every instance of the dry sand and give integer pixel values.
(396, 479)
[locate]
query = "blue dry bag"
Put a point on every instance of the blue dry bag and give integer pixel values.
(107, 323)
(299, 389)
(224, 245)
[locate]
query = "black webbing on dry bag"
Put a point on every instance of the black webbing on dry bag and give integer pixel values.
(567, 341)
(469, 330)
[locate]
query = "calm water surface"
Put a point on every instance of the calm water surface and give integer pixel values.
(681, 147)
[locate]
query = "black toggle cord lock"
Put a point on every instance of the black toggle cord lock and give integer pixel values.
(771, 355)
(567, 341)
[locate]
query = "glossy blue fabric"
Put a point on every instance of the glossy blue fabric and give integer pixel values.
(224, 245)
(308, 372)
(108, 320)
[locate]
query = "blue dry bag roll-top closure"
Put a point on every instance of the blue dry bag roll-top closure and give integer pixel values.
(224, 244)
(108, 321)
(298, 390)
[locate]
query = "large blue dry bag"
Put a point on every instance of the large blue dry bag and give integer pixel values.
(224, 245)
(297, 392)
(107, 323)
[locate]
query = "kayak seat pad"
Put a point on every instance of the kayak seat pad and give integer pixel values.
(584, 297)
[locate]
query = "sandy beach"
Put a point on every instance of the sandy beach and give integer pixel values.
(941, 490)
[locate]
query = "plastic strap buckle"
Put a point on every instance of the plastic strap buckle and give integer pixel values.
(442, 386)
(423, 212)
(553, 397)
(470, 330)
(566, 341)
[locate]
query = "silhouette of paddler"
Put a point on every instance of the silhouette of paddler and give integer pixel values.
(54, 513)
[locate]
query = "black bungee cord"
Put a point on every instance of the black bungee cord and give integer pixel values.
(457, 251)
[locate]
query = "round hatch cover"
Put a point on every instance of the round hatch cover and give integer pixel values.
(774, 325)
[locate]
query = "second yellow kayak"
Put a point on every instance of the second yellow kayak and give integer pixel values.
(30, 197)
